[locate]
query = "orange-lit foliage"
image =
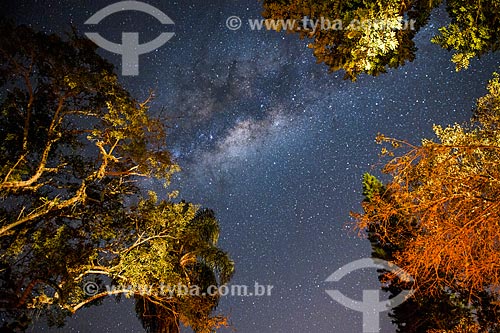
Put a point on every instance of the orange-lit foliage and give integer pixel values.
(445, 196)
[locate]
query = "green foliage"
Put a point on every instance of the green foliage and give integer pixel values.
(474, 30)
(371, 186)
(371, 36)
(186, 255)
(73, 144)
(487, 112)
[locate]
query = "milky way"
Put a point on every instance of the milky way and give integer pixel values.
(276, 146)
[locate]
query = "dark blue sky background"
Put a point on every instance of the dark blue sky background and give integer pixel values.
(274, 144)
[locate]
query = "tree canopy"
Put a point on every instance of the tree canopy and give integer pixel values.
(372, 36)
(438, 219)
(73, 146)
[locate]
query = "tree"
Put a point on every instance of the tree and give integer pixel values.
(443, 311)
(371, 36)
(198, 263)
(73, 145)
(438, 219)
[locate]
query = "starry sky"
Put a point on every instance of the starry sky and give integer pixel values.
(274, 144)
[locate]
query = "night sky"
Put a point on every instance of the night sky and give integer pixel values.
(274, 144)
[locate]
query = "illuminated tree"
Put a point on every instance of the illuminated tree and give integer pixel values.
(73, 146)
(199, 264)
(371, 36)
(442, 311)
(438, 217)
